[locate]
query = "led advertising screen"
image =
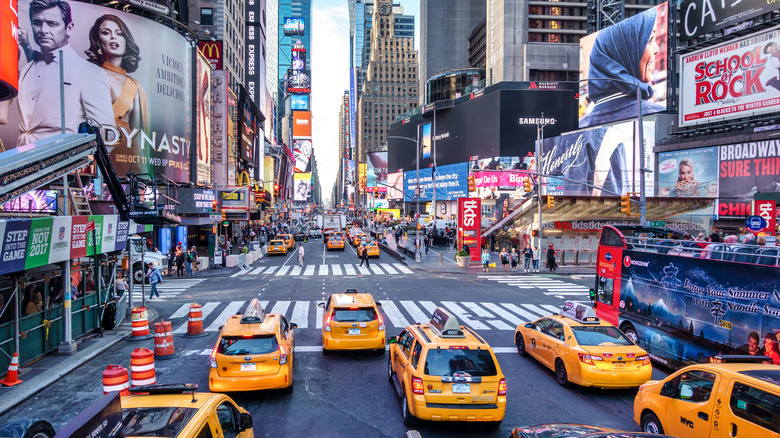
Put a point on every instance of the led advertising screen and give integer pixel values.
(396, 186)
(294, 26)
(298, 81)
(301, 154)
(744, 170)
(299, 102)
(9, 50)
(619, 58)
(301, 186)
(606, 157)
(298, 58)
(349, 171)
(700, 17)
(35, 201)
(691, 173)
(731, 80)
(301, 124)
(130, 74)
(377, 170)
(450, 182)
(204, 126)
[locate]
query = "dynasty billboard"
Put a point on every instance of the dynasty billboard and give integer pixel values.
(130, 74)
(204, 128)
(606, 157)
(617, 60)
(731, 80)
(499, 123)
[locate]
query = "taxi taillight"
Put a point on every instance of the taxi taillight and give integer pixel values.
(644, 359)
(282, 355)
(417, 385)
(213, 358)
(589, 358)
(502, 387)
(381, 322)
(326, 326)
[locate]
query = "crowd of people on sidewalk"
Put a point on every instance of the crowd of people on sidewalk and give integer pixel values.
(510, 259)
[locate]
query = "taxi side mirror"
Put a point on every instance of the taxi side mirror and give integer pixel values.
(321, 305)
(378, 304)
(392, 340)
(528, 325)
(245, 421)
(293, 325)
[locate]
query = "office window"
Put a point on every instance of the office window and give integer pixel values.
(207, 16)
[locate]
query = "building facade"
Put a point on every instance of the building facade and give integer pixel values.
(223, 20)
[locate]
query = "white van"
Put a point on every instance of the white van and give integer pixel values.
(441, 224)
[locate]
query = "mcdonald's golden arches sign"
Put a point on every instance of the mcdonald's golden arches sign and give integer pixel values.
(212, 50)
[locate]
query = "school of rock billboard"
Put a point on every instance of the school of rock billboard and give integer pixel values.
(606, 157)
(731, 80)
(608, 58)
(130, 74)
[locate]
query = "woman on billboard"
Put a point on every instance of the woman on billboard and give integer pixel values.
(623, 52)
(112, 46)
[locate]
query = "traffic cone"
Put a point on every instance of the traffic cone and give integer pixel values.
(12, 378)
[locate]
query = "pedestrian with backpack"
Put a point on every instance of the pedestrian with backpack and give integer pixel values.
(513, 257)
(188, 262)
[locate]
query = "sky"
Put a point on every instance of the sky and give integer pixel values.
(330, 78)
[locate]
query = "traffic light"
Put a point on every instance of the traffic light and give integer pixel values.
(550, 201)
(276, 190)
(472, 184)
(214, 206)
(527, 185)
(625, 204)
(376, 191)
(224, 215)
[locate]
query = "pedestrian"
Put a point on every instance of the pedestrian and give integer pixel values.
(466, 249)
(364, 256)
(195, 260)
(121, 284)
(514, 257)
(154, 279)
(535, 259)
(485, 260)
(528, 254)
(179, 263)
(188, 262)
(427, 243)
(504, 256)
(551, 264)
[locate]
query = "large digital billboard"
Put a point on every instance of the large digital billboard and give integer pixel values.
(34, 201)
(130, 74)
(248, 128)
(294, 26)
(298, 58)
(377, 170)
(618, 59)
(301, 124)
(299, 102)
(396, 186)
(204, 127)
(450, 182)
(700, 17)
(605, 157)
(301, 154)
(689, 173)
(731, 80)
(301, 186)
(298, 81)
(744, 170)
(9, 50)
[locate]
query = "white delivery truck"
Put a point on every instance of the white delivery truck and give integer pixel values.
(329, 223)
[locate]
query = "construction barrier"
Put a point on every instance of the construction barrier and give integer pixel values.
(115, 378)
(12, 378)
(140, 324)
(142, 367)
(163, 340)
(195, 324)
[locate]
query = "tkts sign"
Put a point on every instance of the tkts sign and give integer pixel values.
(212, 50)
(469, 221)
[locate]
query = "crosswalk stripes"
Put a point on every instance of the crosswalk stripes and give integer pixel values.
(480, 316)
(349, 270)
(552, 286)
(323, 270)
(169, 288)
(282, 270)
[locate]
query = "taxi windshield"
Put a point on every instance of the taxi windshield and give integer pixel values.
(237, 345)
(600, 335)
(441, 362)
(354, 315)
(155, 421)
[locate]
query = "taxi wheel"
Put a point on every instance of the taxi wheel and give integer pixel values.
(651, 424)
(289, 389)
(390, 368)
(325, 351)
(520, 343)
(560, 373)
(409, 419)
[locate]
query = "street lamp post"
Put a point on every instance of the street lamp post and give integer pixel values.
(417, 255)
(539, 140)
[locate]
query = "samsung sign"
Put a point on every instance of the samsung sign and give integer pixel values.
(299, 102)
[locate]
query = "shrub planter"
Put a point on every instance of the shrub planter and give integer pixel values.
(463, 261)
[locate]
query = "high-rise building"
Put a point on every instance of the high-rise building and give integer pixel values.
(477, 45)
(391, 84)
(222, 20)
(445, 26)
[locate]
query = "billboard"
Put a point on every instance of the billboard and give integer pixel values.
(301, 186)
(490, 178)
(298, 58)
(301, 124)
(301, 154)
(700, 17)
(248, 128)
(194, 201)
(130, 74)
(377, 170)
(349, 171)
(352, 111)
(450, 182)
(212, 50)
(234, 198)
(9, 50)
(396, 188)
(746, 169)
(606, 157)
(254, 41)
(298, 81)
(34, 201)
(608, 58)
(469, 223)
(299, 102)
(294, 26)
(731, 80)
(204, 128)
(689, 173)
(232, 136)
(219, 124)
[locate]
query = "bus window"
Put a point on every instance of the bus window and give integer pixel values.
(610, 238)
(604, 292)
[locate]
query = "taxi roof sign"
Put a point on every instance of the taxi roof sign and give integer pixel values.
(579, 312)
(254, 313)
(445, 324)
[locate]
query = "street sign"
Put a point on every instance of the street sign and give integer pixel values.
(215, 217)
(656, 224)
(755, 223)
(90, 226)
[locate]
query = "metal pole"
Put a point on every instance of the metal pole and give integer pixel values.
(539, 180)
(433, 173)
(640, 133)
(17, 315)
(417, 255)
(143, 271)
(129, 310)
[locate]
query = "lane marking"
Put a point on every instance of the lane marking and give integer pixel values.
(418, 315)
(394, 315)
(300, 314)
(227, 312)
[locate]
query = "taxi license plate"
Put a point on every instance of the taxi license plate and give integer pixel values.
(355, 331)
(461, 388)
(248, 367)
(619, 364)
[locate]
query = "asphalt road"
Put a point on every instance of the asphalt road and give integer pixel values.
(348, 394)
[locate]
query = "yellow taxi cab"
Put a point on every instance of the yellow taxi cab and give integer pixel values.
(730, 398)
(177, 410)
(358, 238)
(446, 372)
(371, 247)
(254, 351)
(584, 350)
(277, 246)
(335, 243)
(351, 321)
(339, 234)
(288, 240)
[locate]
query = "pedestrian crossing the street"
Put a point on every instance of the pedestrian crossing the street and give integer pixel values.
(553, 286)
(326, 270)
(168, 289)
(479, 316)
